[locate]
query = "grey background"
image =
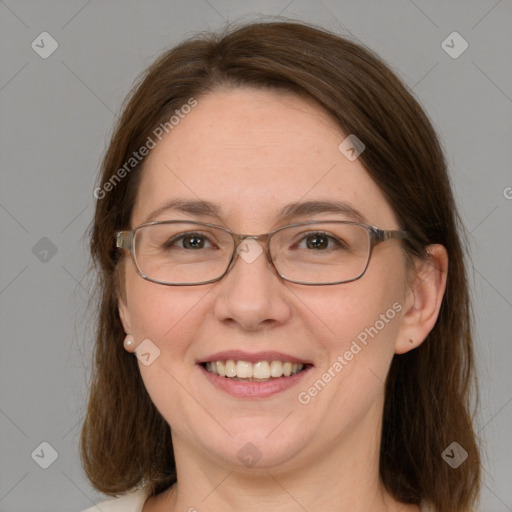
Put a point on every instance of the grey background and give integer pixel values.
(56, 116)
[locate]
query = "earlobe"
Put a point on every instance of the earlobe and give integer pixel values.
(424, 298)
(129, 343)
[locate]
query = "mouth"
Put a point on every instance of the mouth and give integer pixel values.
(252, 376)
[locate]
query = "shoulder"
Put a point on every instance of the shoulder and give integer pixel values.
(426, 507)
(132, 502)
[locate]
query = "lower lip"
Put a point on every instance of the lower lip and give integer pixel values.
(241, 389)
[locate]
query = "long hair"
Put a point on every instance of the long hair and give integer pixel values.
(125, 442)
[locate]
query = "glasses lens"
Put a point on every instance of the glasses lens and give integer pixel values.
(322, 253)
(182, 253)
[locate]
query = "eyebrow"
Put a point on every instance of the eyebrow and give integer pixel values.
(291, 210)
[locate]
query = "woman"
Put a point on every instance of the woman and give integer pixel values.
(323, 359)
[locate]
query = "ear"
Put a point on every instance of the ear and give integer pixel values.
(425, 293)
(122, 302)
(124, 314)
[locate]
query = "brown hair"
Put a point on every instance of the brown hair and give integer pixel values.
(125, 441)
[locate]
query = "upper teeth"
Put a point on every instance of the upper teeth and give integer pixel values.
(259, 370)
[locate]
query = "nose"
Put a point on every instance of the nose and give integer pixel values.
(252, 295)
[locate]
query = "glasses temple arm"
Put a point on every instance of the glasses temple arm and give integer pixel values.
(124, 239)
(381, 235)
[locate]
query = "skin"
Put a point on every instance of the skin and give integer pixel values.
(252, 151)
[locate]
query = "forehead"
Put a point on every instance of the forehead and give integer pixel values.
(251, 152)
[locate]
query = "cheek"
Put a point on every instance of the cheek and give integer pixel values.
(161, 312)
(169, 318)
(357, 325)
(355, 352)
(360, 311)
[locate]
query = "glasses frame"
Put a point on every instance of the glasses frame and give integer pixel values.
(125, 240)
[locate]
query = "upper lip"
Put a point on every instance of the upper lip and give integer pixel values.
(240, 355)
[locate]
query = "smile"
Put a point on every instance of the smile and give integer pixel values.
(267, 375)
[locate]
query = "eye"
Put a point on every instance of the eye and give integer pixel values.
(320, 241)
(191, 241)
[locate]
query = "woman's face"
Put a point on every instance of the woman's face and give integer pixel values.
(251, 153)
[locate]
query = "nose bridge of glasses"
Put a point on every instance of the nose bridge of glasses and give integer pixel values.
(239, 239)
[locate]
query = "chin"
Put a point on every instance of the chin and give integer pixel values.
(257, 445)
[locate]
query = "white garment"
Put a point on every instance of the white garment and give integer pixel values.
(134, 502)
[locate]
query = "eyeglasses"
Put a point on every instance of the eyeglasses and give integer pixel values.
(179, 253)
